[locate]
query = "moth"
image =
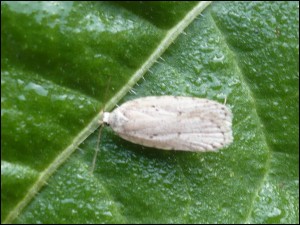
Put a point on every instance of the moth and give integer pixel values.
(173, 123)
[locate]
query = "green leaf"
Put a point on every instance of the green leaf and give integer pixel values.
(63, 62)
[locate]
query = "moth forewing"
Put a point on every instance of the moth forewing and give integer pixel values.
(173, 123)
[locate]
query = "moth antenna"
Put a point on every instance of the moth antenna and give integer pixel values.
(102, 124)
(97, 149)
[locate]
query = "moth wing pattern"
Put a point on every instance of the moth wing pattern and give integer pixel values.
(174, 123)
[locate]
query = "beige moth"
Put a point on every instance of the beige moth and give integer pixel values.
(173, 123)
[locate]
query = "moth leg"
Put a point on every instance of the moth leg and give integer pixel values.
(225, 100)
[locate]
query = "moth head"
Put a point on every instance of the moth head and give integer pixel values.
(105, 119)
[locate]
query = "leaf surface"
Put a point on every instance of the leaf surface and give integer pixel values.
(62, 62)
